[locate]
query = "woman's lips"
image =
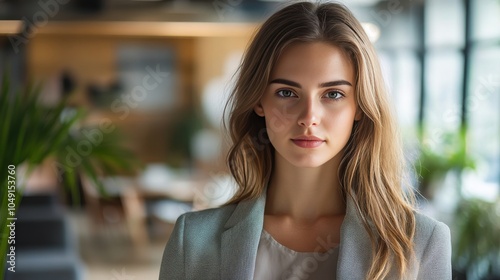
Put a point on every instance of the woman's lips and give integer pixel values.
(309, 142)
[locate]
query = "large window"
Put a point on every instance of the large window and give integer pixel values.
(444, 41)
(442, 65)
(462, 83)
(483, 98)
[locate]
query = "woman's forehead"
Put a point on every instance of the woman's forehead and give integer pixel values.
(315, 61)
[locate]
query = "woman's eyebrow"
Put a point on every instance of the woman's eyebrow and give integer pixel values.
(335, 83)
(297, 85)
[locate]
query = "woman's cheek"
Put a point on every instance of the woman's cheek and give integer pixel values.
(277, 121)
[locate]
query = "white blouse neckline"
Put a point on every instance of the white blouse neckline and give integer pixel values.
(273, 242)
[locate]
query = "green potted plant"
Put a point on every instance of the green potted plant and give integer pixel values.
(476, 249)
(30, 133)
(476, 223)
(435, 161)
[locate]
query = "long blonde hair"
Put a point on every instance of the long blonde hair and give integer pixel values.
(371, 170)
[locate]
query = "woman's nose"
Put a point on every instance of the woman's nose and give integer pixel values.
(309, 115)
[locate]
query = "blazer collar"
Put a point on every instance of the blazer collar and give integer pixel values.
(355, 246)
(240, 240)
(243, 229)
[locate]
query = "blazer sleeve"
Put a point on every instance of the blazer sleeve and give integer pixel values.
(436, 259)
(172, 263)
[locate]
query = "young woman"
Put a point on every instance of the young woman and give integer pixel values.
(319, 167)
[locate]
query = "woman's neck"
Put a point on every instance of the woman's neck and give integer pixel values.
(304, 194)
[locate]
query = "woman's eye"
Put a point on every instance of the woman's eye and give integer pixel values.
(334, 95)
(285, 93)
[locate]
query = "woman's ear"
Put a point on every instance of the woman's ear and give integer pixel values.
(259, 110)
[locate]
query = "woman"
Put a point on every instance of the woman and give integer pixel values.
(319, 167)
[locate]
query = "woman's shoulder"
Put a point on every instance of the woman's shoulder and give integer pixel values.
(209, 216)
(430, 232)
(432, 247)
(427, 226)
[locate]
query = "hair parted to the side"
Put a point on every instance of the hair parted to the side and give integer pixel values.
(371, 170)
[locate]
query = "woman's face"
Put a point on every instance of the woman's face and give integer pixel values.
(309, 105)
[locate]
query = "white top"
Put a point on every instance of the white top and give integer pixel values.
(275, 261)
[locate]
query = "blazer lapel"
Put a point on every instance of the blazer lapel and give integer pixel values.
(241, 238)
(240, 242)
(355, 246)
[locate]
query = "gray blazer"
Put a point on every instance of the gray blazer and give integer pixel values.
(222, 243)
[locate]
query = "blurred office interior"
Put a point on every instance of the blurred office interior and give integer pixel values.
(151, 77)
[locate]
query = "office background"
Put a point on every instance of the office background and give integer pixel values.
(151, 78)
